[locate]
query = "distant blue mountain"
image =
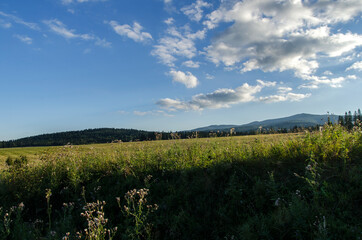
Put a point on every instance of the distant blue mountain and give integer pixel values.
(299, 120)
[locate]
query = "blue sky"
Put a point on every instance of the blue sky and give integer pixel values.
(174, 65)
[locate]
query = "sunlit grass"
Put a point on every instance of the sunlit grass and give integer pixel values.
(35, 154)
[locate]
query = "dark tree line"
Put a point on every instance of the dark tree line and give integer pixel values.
(106, 135)
(349, 120)
(89, 136)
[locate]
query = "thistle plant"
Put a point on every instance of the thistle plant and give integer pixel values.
(138, 210)
(5, 224)
(96, 228)
(11, 222)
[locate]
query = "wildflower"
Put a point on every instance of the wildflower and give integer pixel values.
(308, 167)
(21, 206)
(94, 214)
(66, 237)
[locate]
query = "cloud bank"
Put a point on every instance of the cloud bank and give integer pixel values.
(281, 35)
(225, 97)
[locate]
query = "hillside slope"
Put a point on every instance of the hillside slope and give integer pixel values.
(99, 135)
(299, 120)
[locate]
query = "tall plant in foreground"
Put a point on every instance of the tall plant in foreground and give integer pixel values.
(96, 229)
(138, 210)
(96, 222)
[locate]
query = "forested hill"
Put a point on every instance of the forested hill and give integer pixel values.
(100, 135)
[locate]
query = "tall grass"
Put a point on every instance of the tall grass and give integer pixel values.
(274, 187)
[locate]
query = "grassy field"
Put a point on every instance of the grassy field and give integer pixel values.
(35, 154)
(32, 153)
(305, 186)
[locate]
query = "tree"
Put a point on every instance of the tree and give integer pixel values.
(355, 117)
(341, 121)
(329, 122)
(348, 120)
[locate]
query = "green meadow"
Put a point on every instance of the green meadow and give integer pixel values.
(35, 154)
(280, 186)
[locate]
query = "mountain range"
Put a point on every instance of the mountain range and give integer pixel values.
(299, 120)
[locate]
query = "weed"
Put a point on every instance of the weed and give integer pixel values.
(96, 222)
(138, 210)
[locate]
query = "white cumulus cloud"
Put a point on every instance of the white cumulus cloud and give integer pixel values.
(133, 32)
(266, 83)
(284, 89)
(221, 98)
(225, 97)
(355, 66)
(191, 64)
(315, 81)
(353, 77)
(281, 35)
(169, 21)
(195, 10)
(292, 97)
(176, 44)
(327, 73)
(189, 80)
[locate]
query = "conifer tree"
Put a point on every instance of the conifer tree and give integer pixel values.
(349, 123)
(355, 117)
(340, 121)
